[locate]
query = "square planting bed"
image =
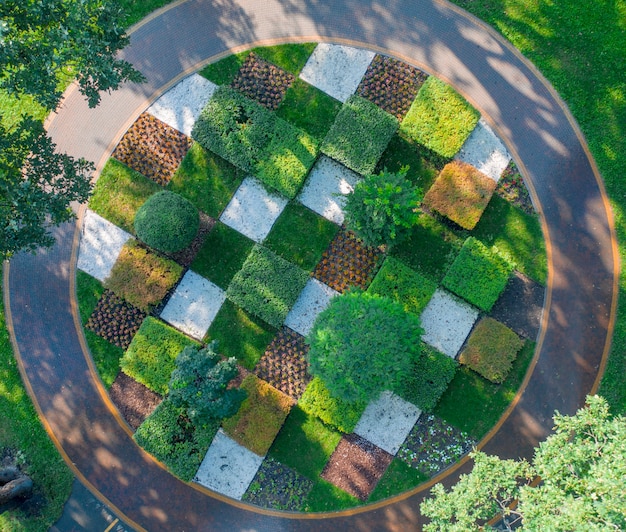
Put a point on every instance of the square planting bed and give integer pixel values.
(336, 69)
(180, 106)
(100, 244)
(387, 421)
(115, 320)
(228, 467)
(134, 400)
(193, 305)
(356, 466)
(326, 187)
(253, 210)
(447, 321)
(312, 300)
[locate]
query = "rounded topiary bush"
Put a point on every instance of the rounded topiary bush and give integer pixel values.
(167, 222)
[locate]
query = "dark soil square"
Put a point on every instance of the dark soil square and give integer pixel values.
(153, 148)
(391, 84)
(279, 487)
(186, 256)
(348, 262)
(284, 364)
(520, 306)
(356, 466)
(263, 82)
(134, 401)
(115, 320)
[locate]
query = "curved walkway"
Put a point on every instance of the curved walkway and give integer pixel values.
(430, 34)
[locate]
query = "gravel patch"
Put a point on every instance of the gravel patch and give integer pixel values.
(447, 321)
(326, 188)
(312, 300)
(194, 305)
(228, 467)
(336, 69)
(253, 210)
(387, 421)
(181, 105)
(100, 244)
(485, 151)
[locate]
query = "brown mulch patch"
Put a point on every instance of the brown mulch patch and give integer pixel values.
(356, 466)
(134, 401)
(391, 84)
(511, 187)
(153, 148)
(347, 262)
(185, 257)
(520, 306)
(284, 363)
(115, 320)
(263, 82)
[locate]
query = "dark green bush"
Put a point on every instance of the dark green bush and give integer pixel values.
(267, 285)
(359, 135)
(167, 222)
(479, 274)
(491, 349)
(383, 208)
(362, 344)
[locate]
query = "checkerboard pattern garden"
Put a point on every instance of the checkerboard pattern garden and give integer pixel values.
(259, 297)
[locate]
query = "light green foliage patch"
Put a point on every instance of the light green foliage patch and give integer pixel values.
(223, 72)
(290, 57)
(399, 477)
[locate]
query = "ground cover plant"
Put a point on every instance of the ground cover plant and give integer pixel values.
(267, 285)
(207, 180)
(439, 118)
(491, 349)
(290, 57)
(479, 274)
(223, 72)
(300, 236)
(256, 140)
(359, 135)
(511, 188)
(142, 277)
(398, 478)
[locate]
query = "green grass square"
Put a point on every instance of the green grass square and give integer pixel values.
(401, 283)
(309, 108)
(223, 71)
(301, 236)
(267, 285)
(289, 57)
(119, 192)
(479, 274)
(207, 180)
(326, 497)
(359, 135)
(398, 478)
(240, 335)
(439, 118)
(222, 254)
(150, 357)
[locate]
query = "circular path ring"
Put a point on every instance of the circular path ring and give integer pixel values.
(433, 35)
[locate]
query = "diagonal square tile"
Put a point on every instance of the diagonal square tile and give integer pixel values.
(312, 300)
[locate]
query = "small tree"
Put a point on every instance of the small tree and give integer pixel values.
(200, 384)
(582, 468)
(383, 208)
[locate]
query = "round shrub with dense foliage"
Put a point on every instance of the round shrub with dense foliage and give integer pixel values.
(167, 222)
(362, 344)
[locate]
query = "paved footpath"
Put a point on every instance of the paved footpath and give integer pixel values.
(538, 131)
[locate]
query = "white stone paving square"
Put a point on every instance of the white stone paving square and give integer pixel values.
(336, 69)
(253, 210)
(485, 151)
(387, 421)
(326, 188)
(100, 245)
(194, 305)
(313, 299)
(180, 106)
(228, 467)
(447, 320)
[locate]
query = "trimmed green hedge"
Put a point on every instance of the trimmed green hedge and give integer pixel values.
(249, 136)
(150, 357)
(267, 285)
(359, 135)
(170, 437)
(439, 118)
(400, 283)
(479, 274)
(491, 349)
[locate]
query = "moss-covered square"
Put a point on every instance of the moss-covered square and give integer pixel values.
(291, 57)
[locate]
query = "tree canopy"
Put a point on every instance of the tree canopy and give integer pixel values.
(575, 481)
